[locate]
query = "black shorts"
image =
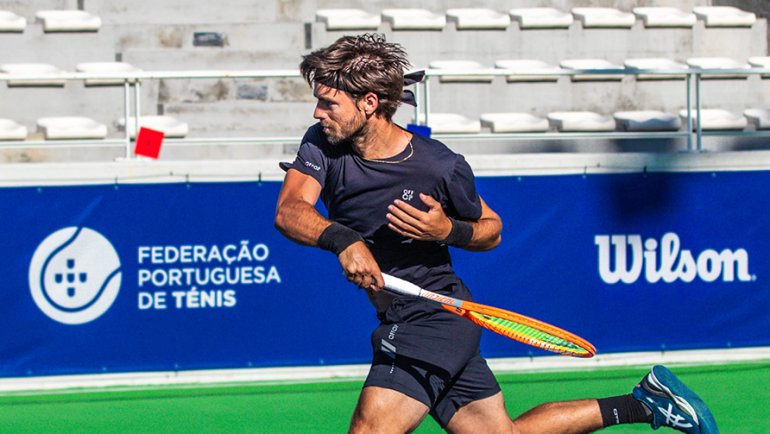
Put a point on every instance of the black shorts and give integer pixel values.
(432, 355)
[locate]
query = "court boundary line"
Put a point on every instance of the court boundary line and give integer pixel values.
(313, 374)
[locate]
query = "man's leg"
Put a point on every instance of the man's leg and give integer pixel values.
(668, 402)
(489, 416)
(386, 411)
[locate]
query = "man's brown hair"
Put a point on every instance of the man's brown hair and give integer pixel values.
(358, 65)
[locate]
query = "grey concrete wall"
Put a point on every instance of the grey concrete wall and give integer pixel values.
(274, 34)
(28, 9)
(760, 7)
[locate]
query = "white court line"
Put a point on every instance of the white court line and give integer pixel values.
(313, 374)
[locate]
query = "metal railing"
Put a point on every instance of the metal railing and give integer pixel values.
(692, 76)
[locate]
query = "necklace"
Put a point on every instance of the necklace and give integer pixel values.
(411, 152)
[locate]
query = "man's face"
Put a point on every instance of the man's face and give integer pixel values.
(341, 117)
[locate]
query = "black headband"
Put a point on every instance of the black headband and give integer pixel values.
(410, 79)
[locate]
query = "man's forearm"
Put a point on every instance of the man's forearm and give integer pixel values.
(300, 222)
(486, 235)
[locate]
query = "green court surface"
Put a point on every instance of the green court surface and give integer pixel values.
(738, 394)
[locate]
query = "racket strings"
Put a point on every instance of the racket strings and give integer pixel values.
(529, 335)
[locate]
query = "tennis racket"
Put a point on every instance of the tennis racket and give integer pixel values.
(519, 327)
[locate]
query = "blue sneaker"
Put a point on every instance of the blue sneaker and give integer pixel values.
(673, 404)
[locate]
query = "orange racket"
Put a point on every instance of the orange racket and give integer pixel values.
(519, 327)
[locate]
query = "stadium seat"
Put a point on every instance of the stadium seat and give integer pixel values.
(10, 22)
(647, 120)
(760, 62)
(724, 16)
(348, 19)
(596, 64)
(71, 127)
(450, 123)
(10, 130)
(514, 123)
(716, 119)
(604, 17)
(171, 127)
(656, 63)
(413, 19)
(478, 19)
(32, 69)
(581, 122)
(718, 63)
(541, 18)
(665, 17)
(467, 65)
(523, 66)
(68, 21)
(105, 67)
(759, 117)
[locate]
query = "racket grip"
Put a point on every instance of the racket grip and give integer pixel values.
(400, 286)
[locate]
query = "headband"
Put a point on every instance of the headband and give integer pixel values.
(410, 79)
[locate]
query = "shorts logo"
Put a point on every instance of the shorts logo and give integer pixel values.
(388, 348)
(74, 275)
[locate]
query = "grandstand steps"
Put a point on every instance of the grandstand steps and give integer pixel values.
(63, 50)
(256, 37)
(275, 34)
(102, 103)
(28, 8)
(243, 118)
(211, 59)
(473, 99)
(187, 12)
(554, 45)
(215, 89)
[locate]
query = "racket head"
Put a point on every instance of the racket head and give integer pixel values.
(526, 330)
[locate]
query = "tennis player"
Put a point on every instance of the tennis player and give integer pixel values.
(396, 202)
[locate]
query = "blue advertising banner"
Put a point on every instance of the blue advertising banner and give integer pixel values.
(631, 262)
(140, 277)
(167, 277)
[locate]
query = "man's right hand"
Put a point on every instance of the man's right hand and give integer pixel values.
(361, 268)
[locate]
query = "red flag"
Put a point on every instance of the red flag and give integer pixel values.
(148, 142)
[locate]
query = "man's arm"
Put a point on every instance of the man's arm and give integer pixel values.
(434, 225)
(298, 220)
(295, 214)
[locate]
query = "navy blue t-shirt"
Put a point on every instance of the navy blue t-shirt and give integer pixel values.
(357, 193)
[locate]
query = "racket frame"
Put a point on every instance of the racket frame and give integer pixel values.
(467, 309)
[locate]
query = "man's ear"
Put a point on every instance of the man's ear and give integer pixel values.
(369, 103)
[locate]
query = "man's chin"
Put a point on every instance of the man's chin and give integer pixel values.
(334, 139)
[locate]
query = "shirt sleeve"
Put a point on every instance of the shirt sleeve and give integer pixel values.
(310, 158)
(461, 190)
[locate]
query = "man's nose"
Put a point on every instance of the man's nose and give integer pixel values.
(319, 113)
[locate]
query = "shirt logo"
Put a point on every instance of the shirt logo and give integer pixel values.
(408, 195)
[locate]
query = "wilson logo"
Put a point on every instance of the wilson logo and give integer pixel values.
(666, 261)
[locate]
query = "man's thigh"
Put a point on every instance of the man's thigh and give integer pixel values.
(486, 415)
(381, 410)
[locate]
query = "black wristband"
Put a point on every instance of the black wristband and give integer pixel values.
(460, 235)
(336, 238)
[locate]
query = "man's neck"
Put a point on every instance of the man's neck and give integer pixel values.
(381, 140)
